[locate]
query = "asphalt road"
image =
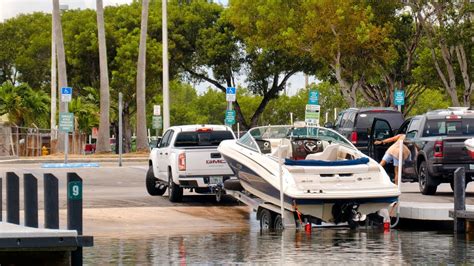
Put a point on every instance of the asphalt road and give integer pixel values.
(116, 202)
(112, 186)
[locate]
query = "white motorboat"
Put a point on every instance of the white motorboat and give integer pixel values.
(324, 175)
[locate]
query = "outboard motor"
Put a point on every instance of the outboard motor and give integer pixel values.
(347, 212)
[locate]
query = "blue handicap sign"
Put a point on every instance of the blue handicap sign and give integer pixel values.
(66, 90)
(313, 97)
(230, 90)
(399, 97)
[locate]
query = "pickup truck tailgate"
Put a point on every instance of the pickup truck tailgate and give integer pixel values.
(206, 162)
(454, 150)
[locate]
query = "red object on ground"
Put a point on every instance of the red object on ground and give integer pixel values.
(307, 228)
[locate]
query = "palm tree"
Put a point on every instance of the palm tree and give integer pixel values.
(61, 56)
(142, 143)
(103, 140)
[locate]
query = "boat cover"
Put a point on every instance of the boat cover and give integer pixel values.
(362, 160)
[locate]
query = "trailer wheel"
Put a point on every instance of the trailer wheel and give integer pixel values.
(266, 220)
(278, 223)
(151, 183)
(175, 192)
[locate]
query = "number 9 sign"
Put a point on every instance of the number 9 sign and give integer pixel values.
(74, 191)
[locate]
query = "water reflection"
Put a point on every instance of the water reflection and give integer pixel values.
(322, 246)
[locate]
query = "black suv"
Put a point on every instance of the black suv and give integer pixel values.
(436, 142)
(355, 123)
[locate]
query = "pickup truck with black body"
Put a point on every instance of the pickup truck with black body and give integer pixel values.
(186, 157)
(355, 123)
(436, 143)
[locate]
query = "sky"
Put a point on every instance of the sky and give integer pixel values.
(11, 8)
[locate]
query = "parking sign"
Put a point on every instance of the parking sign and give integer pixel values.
(66, 94)
(230, 94)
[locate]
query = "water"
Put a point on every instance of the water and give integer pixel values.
(322, 246)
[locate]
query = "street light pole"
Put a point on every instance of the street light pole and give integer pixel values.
(166, 96)
(54, 79)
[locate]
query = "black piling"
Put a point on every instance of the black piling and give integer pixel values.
(30, 194)
(459, 200)
(51, 202)
(74, 211)
(13, 198)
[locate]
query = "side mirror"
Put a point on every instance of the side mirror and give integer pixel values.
(411, 134)
(329, 125)
(158, 141)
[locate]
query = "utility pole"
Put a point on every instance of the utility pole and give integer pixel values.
(166, 96)
(54, 79)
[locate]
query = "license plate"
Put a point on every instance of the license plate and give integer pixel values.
(215, 180)
(471, 166)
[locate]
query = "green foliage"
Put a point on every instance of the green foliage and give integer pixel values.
(431, 99)
(85, 109)
(24, 105)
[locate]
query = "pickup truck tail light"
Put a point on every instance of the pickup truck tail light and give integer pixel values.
(354, 137)
(438, 149)
(182, 162)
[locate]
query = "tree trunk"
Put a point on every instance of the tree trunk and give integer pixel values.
(142, 142)
(62, 73)
(103, 140)
(348, 90)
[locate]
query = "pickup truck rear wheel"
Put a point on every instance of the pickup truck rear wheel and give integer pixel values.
(152, 182)
(425, 180)
(175, 191)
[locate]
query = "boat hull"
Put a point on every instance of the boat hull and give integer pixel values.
(317, 206)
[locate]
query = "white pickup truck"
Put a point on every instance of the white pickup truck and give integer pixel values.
(187, 157)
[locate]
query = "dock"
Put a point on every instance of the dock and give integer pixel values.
(26, 243)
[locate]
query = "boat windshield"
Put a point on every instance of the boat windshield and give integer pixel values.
(252, 137)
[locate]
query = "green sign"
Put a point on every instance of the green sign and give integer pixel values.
(311, 114)
(74, 190)
(66, 122)
(313, 97)
(399, 97)
(230, 117)
(157, 122)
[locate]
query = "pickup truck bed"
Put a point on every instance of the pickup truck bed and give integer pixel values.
(187, 158)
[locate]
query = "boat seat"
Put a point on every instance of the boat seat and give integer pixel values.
(276, 144)
(328, 154)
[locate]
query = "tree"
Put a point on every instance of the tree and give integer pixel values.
(142, 143)
(449, 32)
(103, 139)
(62, 73)
(345, 37)
(24, 105)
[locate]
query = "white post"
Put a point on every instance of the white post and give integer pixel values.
(238, 130)
(120, 129)
(400, 165)
(291, 118)
(280, 173)
(327, 115)
(166, 96)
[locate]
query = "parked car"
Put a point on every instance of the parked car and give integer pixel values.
(436, 142)
(355, 123)
(187, 158)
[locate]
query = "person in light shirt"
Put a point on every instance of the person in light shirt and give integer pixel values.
(392, 153)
